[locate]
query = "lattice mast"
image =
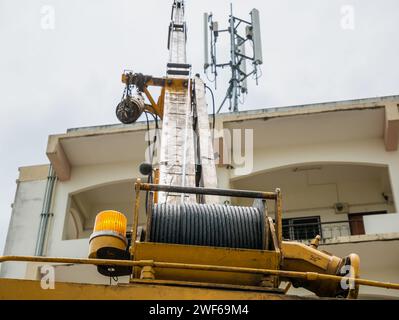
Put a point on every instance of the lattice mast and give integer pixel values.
(185, 139)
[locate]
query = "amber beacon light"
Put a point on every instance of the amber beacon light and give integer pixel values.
(109, 233)
(111, 221)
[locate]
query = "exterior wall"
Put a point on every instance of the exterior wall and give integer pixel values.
(24, 225)
(381, 224)
(84, 207)
(83, 178)
(22, 234)
(311, 193)
(378, 261)
(367, 152)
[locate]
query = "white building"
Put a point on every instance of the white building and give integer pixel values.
(336, 163)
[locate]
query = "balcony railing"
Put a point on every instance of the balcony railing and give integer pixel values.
(327, 230)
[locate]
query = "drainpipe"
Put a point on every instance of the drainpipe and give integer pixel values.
(46, 214)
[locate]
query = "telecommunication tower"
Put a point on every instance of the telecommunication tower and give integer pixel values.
(239, 53)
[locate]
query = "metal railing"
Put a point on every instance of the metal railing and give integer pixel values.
(308, 276)
(327, 230)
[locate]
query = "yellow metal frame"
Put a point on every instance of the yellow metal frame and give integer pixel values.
(185, 254)
(276, 235)
(285, 255)
(206, 256)
(309, 276)
(31, 290)
(167, 84)
(171, 265)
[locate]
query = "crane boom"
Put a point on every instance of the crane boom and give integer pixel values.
(180, 150)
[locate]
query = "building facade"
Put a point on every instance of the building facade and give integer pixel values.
(337, 165)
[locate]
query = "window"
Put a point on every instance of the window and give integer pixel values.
(301, 228)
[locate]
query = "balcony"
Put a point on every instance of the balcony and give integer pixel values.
(367, 228)
(308, 231)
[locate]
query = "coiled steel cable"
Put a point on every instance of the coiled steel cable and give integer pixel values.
(207, 225)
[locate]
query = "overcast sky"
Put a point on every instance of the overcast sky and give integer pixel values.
(68, 76)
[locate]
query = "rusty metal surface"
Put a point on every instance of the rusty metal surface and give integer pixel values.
(308, 276)
(209, 191)
(31, 290)
(213, 259)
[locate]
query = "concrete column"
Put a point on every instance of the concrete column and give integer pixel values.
(394, 178)
(391, 135)
(223, 174)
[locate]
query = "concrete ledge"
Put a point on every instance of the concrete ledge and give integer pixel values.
(56, 155)
(265, 113)
(309, 109)
(33, 173)
(362, 238)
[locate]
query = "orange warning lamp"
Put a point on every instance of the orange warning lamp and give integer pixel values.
(112, 221)
(109, 233)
